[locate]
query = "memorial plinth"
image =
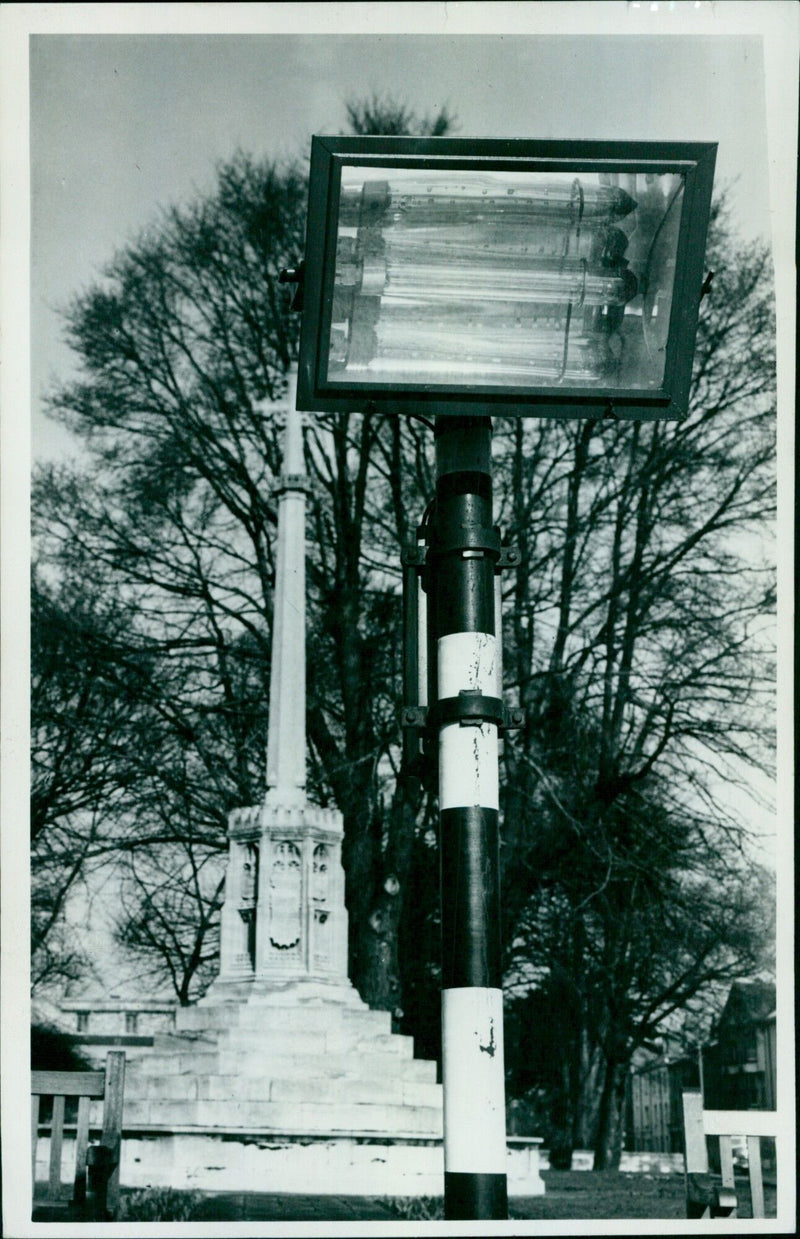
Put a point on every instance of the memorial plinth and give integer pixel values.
(284, 917)
(281, 1064)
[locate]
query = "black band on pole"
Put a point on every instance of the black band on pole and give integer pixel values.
(466, 595)
(476, 1195)
(412, 742)
(463, 553)
(463, 445)
(469, 849)
(463, 545)
(475, 484)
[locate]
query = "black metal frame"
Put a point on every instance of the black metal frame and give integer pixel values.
(317, 394)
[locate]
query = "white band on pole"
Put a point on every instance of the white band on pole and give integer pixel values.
(468, 773)
(474, 1082)
(468, 660)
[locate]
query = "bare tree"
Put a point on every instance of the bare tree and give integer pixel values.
(184, 346)
(637, 634)
(83, 727)
(640, 640)
(170, 899)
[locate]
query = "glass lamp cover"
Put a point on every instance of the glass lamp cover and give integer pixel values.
(507, 279)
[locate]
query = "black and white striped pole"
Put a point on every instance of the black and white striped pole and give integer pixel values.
(463, 551)
(452, 277)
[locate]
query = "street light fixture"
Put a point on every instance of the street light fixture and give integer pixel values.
(514, 277)
(459, 279)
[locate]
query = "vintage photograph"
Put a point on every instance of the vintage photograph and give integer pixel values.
(397, 679)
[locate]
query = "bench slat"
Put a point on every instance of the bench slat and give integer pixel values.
(756, 1177)
(68, 1083)
(34, 1136)
(56, 1137)
(112, 1118)
(740, 1122)
(693, 1133)
(81, 1145)
(726, 1160)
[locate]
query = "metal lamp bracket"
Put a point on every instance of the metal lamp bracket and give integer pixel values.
(471, 540)
(296, 276)
(465, 539)
(469, 709)
(509, 558)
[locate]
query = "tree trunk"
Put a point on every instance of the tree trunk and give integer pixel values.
(611, 1118)
(360, 859)
(377, 882)
(587, 1094)
(379, 966)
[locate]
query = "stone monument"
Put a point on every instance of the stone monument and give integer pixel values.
(281, 1078)
(284, 919)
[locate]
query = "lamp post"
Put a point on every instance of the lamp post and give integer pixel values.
(468, 711)
(457, 279)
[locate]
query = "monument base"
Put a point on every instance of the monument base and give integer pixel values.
(313, 991)
(306, 1058)
(355, 1165)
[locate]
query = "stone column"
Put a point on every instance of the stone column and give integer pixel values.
(286, 745)
(300, 916)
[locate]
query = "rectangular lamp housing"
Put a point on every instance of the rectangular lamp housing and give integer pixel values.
(507, 277)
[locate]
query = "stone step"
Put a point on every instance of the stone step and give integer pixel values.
(349, 1066)
(286, 1116)
(292, 994)
(321, 1090)
(177, 1063)
(315, 1041)
(284, 1066)
(308, 1018)
(187, 1041)
(328, 1092)
(307, 993)
(225, 1015)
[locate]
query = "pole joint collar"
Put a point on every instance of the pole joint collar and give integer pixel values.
(469, 709)
(454, 537)
(467, 538)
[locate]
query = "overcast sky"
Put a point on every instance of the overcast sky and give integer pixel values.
(123, 125)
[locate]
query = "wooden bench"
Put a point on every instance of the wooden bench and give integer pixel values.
(95, 1190)
(705, 1197)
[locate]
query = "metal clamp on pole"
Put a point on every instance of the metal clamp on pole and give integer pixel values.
(468, 708)
(509, 558)
(465, 538)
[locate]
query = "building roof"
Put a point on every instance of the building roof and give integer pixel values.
(749, 1002)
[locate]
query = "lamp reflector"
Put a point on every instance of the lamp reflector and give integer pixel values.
(502, 278)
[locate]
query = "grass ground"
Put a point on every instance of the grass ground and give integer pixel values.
(578, 1194)
(569, 1195)
(603, 1194)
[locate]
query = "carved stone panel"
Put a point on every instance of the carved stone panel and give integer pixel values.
(321, 907)
(285, 898)
(249, 875)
